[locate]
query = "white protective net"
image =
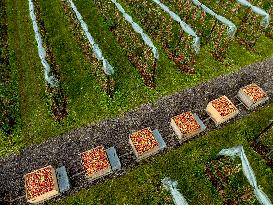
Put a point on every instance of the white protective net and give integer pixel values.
(231, 26)
(107, 67)
(138, 29)
(49, 78)
(171, 186)
(266, 17)
(184, 26)
(248, 172)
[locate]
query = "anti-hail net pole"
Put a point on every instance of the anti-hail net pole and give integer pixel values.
(185, 27)
(266, 17)
(248, 172)
(231, 26)
(137, 29)
(107, 67)
(50, 79)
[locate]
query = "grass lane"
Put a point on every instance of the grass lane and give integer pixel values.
(9, 112)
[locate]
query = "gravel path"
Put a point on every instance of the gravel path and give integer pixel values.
(64, 150)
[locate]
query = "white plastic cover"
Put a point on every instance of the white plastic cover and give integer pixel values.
(231, 26)
(171, 186)
(108, 69)
(137, 29)
(248, 172)
(257, 10)
(50, 79)
(184, 26)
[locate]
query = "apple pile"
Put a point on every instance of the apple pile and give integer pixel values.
(223, 106)
(254, 92)
(186, 123)
(143, 141)
(39, 182)
(95, 160)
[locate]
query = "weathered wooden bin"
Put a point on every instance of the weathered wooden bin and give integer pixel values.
(46, 183)
(187, 125)
(146, 143)
(41, 185)
(252, 96)
(99, 162)
(221, 110)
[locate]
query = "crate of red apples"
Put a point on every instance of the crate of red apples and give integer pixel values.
(187, 125)
(221, 110)
(96, 163)
(146, 142)
(41, 185)
(252, 96)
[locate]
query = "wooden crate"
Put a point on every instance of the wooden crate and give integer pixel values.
(252, 96)
(41, 185)
(144, 143)
(187, 125)
(95, 163)
(221, 110)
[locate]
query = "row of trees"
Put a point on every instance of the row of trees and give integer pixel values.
(139, 54)
(57, 98)
(160, 27)
(165, 32)
(212, 32)
(107, 82)
(248, 23)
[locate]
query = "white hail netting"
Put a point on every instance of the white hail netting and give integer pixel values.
(184, 26)
(231, 26)
(108, 69)
(248, 172)
(257, 10)
(171, 186)
(50, 79)
(137, 29)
